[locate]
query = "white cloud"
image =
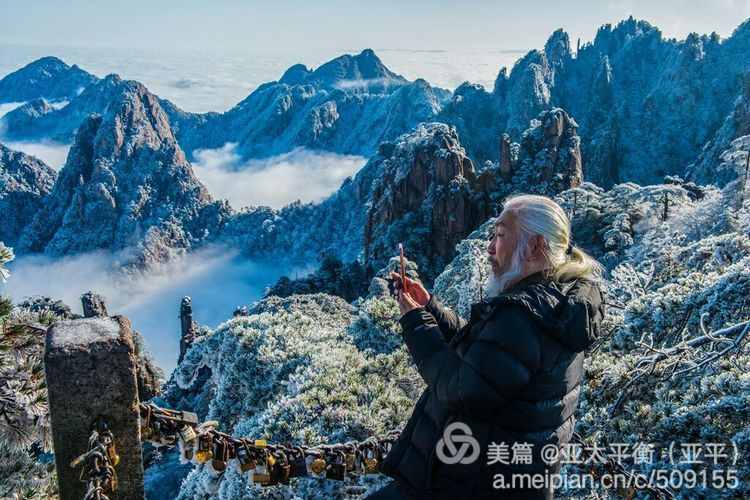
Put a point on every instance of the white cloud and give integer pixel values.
(218, 280)
(53, 154)
(365, 84)
(300, 174)
(7, 107)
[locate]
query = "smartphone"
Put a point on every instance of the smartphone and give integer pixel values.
(403, 265)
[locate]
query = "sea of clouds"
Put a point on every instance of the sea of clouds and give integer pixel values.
(52, 153)
(217, 279)
(300, 174)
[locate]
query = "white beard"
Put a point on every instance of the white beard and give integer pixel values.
(495, 285)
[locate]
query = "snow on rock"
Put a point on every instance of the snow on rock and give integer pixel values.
(300, 369)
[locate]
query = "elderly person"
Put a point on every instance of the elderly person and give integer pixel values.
(510, 377)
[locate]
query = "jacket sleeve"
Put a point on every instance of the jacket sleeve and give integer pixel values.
(495, 367)
(448, 321)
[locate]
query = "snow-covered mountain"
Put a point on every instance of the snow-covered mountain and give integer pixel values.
(24, 183)
(421, 190)
(126, 185)
(629, 106)
(48, 77)
(646, 105)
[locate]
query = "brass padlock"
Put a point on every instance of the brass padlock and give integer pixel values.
(371, 461)
(316, 463)
(114, 458)
(204, 453)
(350, 457)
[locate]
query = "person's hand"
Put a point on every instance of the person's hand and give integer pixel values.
(406, 302)
(414, 289)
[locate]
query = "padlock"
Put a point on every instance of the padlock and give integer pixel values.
(204, 452)
(112, 455)
(187, 433)
(262, 472)
(146, 430)
(316, 464)
(371, 461)
(244, 458)
(298, 466)
(220, 454)
(280, 470)
(351, 460)
(187, 450)
(336, 468)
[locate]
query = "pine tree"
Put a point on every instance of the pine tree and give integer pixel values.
(24, 428)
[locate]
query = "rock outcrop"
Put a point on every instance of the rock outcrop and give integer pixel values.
(430, 196)
(126, 185)
(93, 305)
(425, 197)
(24, 184)
(48, 77)
(713, 164)
(188, 327)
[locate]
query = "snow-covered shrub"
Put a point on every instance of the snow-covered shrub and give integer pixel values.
(305, 369)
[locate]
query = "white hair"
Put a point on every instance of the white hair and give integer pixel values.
(540, 215)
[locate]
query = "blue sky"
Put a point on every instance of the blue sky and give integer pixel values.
(235, 25)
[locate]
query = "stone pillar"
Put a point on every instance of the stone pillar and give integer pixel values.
(189, 330)
(90, 368)
(506, 169)
(93, 305)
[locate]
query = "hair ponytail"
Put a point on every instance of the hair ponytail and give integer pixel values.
(579, 264)
(542, 215)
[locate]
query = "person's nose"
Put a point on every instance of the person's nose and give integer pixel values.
(491, 247)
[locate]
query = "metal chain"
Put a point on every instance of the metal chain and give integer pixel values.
(99, 463)
(269, 463)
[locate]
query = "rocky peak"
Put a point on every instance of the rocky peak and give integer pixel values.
(529, 91)
(126, 184)
(550, 153)
(609, 40)
(24, 183)
(48, 77)
(352, 68)
(425, 197)
(557, 48)
(295, 74)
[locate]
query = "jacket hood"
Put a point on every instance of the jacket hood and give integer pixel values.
(571, 312)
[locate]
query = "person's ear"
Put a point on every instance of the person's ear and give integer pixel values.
(537, 247)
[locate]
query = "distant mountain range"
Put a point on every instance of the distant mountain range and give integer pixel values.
(629, 106)
(646, 105)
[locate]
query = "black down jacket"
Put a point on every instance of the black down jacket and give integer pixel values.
(512, 374)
